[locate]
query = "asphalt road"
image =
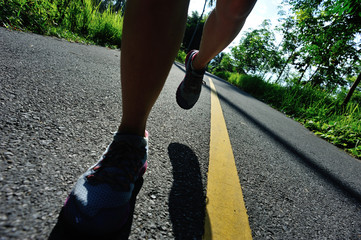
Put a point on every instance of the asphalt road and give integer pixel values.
(60, 103)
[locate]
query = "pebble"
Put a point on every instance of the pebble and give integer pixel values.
(8, 154)
(45, 142)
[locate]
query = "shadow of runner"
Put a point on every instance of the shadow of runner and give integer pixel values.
(186, 199)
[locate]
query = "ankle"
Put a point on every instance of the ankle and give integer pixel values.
(131, 130)
(197, 65)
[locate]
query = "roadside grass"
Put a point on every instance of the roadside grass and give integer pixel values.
(77, 20)
(316, 109)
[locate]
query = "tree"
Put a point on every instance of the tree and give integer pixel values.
(193, 32)
(215, 64)
(326, 33)
(257, 52)
(288, 46)
(196, 28)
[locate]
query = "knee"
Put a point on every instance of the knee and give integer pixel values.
(234, 10)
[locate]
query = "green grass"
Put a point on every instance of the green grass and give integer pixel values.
(76, 20)
(318, 110)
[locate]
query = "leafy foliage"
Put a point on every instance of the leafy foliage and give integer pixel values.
(190, 43)
(77, 20)
(181, 56)
(256, 52)
(325, 32)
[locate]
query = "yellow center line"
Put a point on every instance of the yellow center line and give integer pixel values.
(226, 214)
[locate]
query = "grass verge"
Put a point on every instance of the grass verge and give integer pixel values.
(77, 20)
(316, 109)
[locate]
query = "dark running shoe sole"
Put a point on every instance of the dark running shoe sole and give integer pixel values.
(189, 89)
(64, 231)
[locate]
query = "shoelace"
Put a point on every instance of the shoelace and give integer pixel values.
(193, 81)
(123, 156)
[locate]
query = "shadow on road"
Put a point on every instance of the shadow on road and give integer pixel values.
(186, 199)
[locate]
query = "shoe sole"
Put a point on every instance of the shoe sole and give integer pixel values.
(63, 230)
(180, 101)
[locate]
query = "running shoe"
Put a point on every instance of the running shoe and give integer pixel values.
(100, 202)
(190, 88)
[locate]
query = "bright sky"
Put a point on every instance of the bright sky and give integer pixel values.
(264, 9)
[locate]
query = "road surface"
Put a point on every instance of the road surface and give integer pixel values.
(60, 103)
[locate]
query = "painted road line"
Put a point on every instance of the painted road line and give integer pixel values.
(226, 214)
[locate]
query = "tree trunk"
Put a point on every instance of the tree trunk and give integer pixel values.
(284, 67)
(303, 73)
(311, 78)
(351, 91)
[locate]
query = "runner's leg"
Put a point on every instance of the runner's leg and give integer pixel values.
(222, 26)
(152, 34)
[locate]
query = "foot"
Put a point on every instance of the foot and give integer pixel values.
(99, 204)
(190, 88)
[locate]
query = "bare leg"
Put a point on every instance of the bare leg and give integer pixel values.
(152, 35)
(222, 26)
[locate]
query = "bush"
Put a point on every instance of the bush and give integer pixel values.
(222, 74)
(234, 79)
(181, 56)
(251, 84)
